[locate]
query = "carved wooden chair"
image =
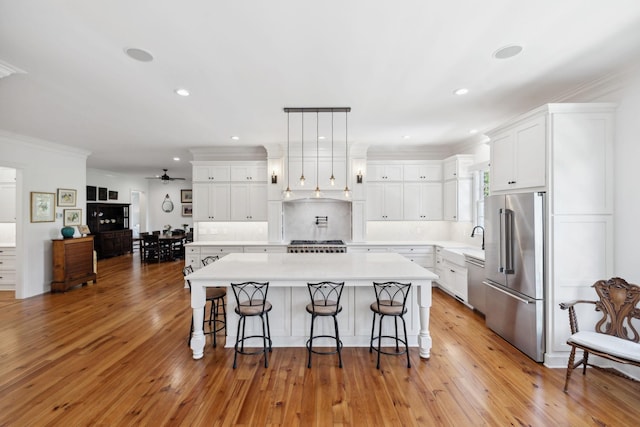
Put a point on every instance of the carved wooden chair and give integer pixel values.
(615, 337)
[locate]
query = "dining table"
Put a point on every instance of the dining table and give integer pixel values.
(288, 275)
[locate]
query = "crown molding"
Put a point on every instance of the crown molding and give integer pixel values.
(41, 144)
(229, 153)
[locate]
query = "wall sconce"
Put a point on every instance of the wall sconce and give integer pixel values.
(274, 177)
(359, 177)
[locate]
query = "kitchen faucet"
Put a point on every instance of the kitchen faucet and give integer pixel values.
(473, 233)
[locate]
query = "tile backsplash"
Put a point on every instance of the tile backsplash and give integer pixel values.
(304, 219)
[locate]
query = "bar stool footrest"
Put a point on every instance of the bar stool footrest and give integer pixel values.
(400, 351)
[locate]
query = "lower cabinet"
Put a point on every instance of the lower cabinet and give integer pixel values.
(72, 262)
(113, 243)
(7, 268)
(453, 276)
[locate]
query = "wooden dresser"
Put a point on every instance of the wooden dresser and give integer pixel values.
(72, 263)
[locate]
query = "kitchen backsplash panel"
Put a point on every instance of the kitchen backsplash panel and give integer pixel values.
(300, 219)
(230, 231)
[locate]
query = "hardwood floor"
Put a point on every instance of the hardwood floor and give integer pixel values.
(115, 353)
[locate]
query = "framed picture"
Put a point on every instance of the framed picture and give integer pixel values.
(102, 193)
(72, 217)
(43, 207)
(113, 195)
(84, 229)
(187, 210)
(186, 196)
(66, 197)
(92, 193)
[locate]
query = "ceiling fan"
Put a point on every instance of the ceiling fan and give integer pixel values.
(165, 178)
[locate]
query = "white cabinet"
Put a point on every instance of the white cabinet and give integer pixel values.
(7, 268)
(211, 202)
(8, 202)
(422, 201)
(384, 201)
(453, 275)
(265, 249)
(431, 171)
(456, 199)
(457, 167)
(518, 156)
(249, 173)
(248, 202)
(422, 255)
(384, 172)
(213, 173)
(457, 194)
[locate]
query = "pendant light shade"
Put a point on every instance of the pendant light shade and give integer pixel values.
(347, 192)
(332, 180)
(317, 191)
(287, 192)
(302, 174)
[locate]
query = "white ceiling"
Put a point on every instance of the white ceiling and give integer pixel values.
(396, 64)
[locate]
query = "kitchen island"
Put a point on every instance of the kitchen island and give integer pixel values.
(288, 275)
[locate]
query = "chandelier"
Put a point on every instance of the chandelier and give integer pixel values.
(318, 111)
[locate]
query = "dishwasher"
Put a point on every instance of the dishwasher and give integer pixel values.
(475, 277)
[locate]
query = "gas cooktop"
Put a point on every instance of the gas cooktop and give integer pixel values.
(317, 242)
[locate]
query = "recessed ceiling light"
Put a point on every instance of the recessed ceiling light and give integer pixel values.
(177, 159)
(321, 137)
(139, 54)
(182, 92)
(406, 136)
(461, 91)
(235, 138)
(507, 51)
(472, 131)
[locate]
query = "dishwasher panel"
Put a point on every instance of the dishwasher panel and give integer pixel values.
(476, 289)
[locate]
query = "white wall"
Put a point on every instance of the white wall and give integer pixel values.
(124, 185)
(45, 167)
(157, 217)
(627, 195)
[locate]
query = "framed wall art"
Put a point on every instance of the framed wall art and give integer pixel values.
(102, 193)
(187, 210)
(66, 197)
(186, 196)
(113, 195)
(43, 207)
(72, 217)
(84, 229)
(92, 193)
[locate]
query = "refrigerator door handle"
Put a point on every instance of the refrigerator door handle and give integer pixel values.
(508, 241)
(501, 240)
(507, 293)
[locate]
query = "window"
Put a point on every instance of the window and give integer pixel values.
(480, 191)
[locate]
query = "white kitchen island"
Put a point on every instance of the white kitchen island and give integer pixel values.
(288, 275)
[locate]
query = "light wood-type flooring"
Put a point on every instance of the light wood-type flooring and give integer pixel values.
(115, 354)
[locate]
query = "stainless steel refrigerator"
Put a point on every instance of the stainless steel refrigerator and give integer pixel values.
(515, 267)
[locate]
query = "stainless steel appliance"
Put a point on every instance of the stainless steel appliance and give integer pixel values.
(515, 268)
(316, 246)
(476, 287)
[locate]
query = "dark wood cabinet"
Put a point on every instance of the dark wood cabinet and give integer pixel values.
(109, 223)
(72, 263)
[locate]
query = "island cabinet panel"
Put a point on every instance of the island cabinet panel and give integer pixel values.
(72, 263)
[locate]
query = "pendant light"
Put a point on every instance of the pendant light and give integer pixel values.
(346, 154)
(302, 175)
(332, 180)
(287, 192)
(317, 192)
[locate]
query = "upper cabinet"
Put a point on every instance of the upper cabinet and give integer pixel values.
(249, 173)
(384, 201)
(211, 202)
(457, 167)
(384, 172)
(518, 156)
(213, 173)
(424, 171)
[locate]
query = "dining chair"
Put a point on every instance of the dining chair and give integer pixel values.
(391, 300)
